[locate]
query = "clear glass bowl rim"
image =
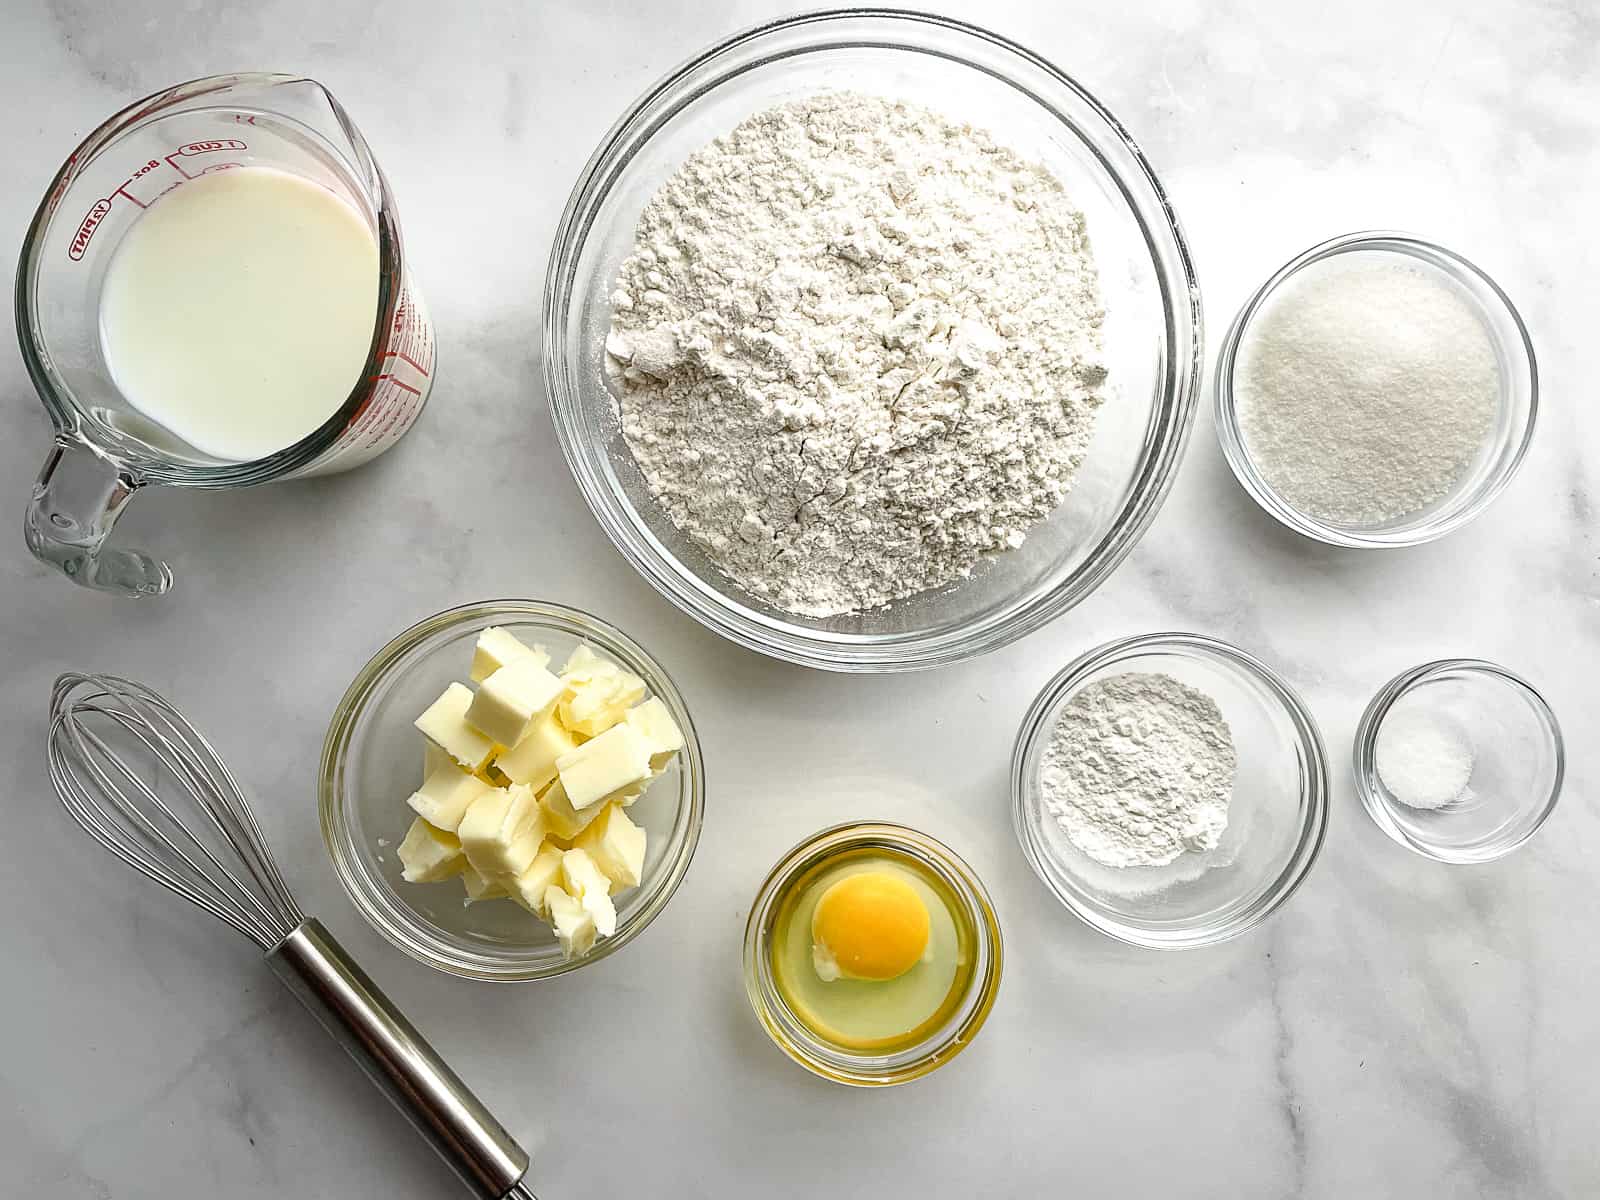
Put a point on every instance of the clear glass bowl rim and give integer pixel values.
(340, 843)
(1363, 753)
(1231, 436)
(847, 652)
(909, 1064)
(1314, 788)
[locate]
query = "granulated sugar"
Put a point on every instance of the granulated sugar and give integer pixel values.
(1365, 390)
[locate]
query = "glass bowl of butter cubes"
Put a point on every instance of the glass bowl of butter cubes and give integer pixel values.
(510, 790)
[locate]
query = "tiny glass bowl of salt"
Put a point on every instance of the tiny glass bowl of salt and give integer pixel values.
(1170, 789)
(1377, 391)
(1459, 760)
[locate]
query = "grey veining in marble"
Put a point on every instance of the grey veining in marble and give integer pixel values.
(1400, 1029)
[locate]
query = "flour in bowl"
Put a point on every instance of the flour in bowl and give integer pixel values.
(856, 348)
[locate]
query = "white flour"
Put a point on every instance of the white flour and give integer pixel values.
(1365, 391)
(1139, 769)
(858, 347)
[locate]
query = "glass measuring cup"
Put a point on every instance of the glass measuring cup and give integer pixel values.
(105, 449)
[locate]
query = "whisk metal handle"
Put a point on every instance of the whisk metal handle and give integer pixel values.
(397, 1058)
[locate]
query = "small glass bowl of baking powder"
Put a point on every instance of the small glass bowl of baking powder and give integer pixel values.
(1443, 504)
(1459, 760)
(1277, 814)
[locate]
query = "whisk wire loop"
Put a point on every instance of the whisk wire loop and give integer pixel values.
(95, 722)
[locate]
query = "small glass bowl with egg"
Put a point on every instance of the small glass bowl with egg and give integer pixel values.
(1277, 812)
(872, 954)
(1491, 755)
(373, 759)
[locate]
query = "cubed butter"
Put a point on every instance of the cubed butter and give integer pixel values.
(603, 765)
(507, 702)
(445, 796)
(445, 725)
(660, 733)
(593, 704)
(628, 795)
(484, 887)
(543, 872)
(501, 832)
(616, 845)
(584, 662)
(562, 821)
(496, 647)
(433, 758)
(493, 775)
(428, 854)
(533, 760)
(574, 926)
(587, 884)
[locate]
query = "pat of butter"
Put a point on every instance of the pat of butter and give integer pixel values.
(483, 887)
(616, 845)
(445, 725)
(604, 765)
(533, 760)
(530, 887)
(587, 884)
(562, 820)
(433, 758)
(574, 926)
(507, 702)
(445, 796)
(584, 662)
(497, 647)
(428, 854)
(660, 733)
(592, 705)
(501, 832)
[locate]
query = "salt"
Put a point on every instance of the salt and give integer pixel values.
(1366, 389)
(1423, 761)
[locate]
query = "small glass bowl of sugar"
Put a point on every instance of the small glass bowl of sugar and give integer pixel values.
(1459, 760)
(1377, 391)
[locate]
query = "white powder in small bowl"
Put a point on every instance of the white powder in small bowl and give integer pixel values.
(1139, 770)
(1365, 389)
(1423, 761)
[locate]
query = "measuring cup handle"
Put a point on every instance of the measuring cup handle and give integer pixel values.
(77, 499)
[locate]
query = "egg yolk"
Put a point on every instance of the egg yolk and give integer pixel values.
(868, 926)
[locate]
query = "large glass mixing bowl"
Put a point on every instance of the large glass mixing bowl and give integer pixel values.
(1152, 325)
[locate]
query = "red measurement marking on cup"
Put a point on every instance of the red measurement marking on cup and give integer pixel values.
(194, 149)
(134, 178)
(100, 209)
(399, 383)
(86, 228)
(405, 358)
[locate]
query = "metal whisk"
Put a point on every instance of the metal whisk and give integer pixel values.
(102, 729)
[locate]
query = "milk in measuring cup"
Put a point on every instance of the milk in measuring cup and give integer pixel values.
(239, 309)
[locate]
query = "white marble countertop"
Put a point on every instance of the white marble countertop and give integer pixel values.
(1400, 1029)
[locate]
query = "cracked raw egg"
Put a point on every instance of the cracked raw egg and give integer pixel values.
(870, 949)
(872, 925)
